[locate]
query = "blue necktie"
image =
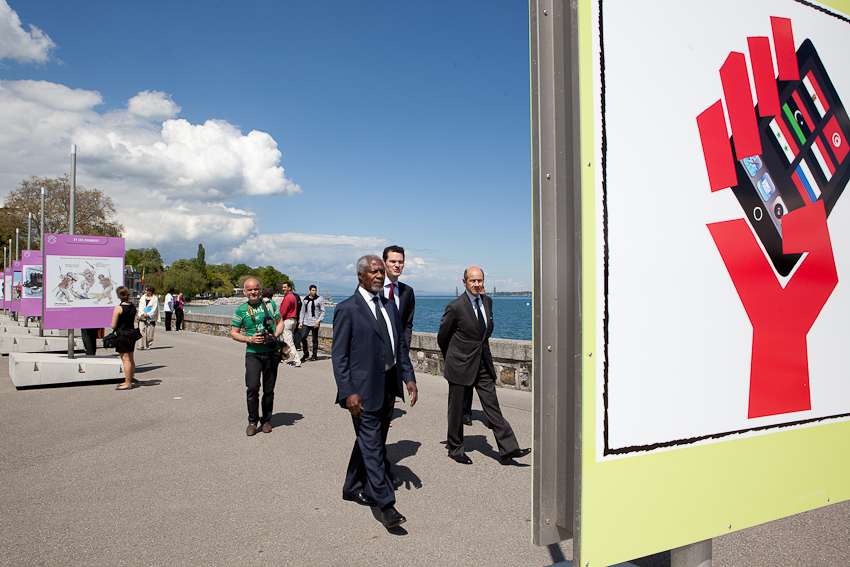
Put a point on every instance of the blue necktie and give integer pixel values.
(481, 324)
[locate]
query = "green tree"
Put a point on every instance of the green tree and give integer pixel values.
(94, 211)
(183, 275)
(270, 276)
(144, 259)
(240, 270)
(201, 259)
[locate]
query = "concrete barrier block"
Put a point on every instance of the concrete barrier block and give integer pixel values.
(39, 369)
(30, 343)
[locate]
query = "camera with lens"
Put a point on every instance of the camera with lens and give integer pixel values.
(269, 339)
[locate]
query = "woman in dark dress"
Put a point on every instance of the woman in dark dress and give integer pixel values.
(123, 317)
(178, 310)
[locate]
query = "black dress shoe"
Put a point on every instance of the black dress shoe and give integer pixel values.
(515, 454)
(392, 518)
(360, 498)
(467, 420)
(462, 459)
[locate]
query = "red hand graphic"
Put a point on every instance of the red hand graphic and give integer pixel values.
(781, 318)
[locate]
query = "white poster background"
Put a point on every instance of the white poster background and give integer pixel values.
(7, 289)
(57, 267)
(679, 339)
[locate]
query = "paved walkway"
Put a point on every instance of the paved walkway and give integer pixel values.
(164, 475)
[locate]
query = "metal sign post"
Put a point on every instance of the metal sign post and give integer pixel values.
(43, 283)
(71, 229)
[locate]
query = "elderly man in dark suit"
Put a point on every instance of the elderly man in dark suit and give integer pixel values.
(463, 338)
(371, 363)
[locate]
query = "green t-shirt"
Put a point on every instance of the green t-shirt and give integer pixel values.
(252, 317)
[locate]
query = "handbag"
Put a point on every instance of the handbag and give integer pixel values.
(110, 340)
(133, 335)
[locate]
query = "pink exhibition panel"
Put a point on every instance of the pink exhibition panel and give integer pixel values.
(81, 275)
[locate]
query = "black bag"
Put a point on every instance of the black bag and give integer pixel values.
(133, 335)
(110, 340)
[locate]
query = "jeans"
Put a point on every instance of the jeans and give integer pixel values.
(260, 365)
(305, 330)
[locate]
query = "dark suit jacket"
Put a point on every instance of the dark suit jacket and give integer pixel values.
(461, 342)
(406, 307)
(357, 353)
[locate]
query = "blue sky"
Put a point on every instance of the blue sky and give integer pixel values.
(296, 134)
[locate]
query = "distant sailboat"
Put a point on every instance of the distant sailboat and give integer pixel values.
(455, 291)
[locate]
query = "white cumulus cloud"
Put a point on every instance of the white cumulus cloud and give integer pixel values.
(32, 46)
(153, 105)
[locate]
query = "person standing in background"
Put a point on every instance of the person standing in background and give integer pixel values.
(168, 308)
(148, 313)
(178, 312)
(289, 314)
(123, 317)
(312, 315)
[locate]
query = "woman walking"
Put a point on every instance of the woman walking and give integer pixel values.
(123, 317)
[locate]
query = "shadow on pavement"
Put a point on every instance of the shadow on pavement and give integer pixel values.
(146, 368)
(285, 419)
(403, 475)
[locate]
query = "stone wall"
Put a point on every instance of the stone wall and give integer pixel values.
(512, 358)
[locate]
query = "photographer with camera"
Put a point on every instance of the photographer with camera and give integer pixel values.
(261, 321)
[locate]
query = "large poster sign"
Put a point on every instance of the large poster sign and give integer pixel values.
(32, 278)
(718, 262)
(17, 265)
(81, 274)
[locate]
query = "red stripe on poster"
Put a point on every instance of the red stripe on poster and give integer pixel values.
(801, 189)
(763, 75)
(739, 104)
(821, 98)
(786, 53)
(803, 111)
(823, 151)
(716, 148)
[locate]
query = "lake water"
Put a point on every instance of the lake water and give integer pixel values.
(511, 314)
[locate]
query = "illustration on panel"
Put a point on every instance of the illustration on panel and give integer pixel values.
(787, 164)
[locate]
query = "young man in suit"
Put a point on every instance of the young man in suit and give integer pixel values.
(371, 363)
(401, 293)
(464, 339)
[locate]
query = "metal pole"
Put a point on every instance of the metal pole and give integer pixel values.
(41, 247)
(694, 555)
(71, 229)
(5, 263)
(73, 185)
(8, 265)
(29, 230)
(15, 258)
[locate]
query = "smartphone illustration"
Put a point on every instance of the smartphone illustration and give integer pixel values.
(804, 156)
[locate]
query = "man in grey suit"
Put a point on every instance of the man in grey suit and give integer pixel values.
(370, 362)
(463, 338)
